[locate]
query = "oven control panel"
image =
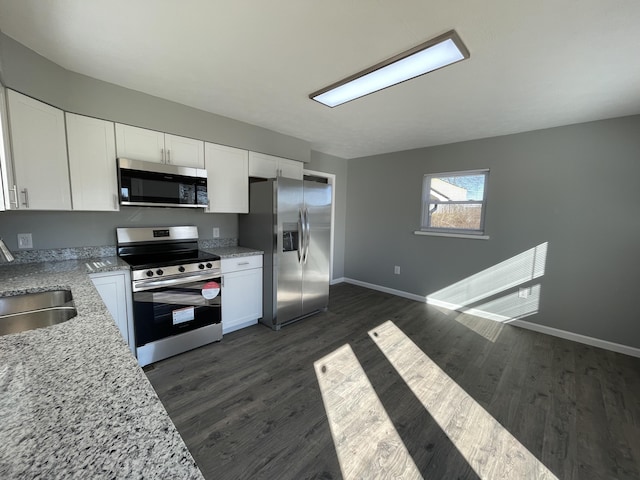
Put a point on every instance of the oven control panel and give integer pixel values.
(212, 267)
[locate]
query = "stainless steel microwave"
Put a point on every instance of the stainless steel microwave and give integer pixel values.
(151, 184)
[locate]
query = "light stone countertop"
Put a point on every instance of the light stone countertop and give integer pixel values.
(233, 252)
(73, 401)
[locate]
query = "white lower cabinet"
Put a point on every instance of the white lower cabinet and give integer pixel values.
(115, 290)
(241, 292)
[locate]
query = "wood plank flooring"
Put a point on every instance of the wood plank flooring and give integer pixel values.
(251, 406)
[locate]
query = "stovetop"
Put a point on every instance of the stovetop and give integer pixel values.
(154, 260)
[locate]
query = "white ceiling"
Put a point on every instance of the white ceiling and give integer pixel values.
(533, 64)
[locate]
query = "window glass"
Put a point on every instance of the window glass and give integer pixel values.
(454, 202)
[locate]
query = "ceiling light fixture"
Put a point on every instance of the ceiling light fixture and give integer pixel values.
(427, 57)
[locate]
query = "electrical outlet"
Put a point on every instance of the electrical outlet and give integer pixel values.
(25, 240)
(524, 292)
(396, 270)
(216, 232)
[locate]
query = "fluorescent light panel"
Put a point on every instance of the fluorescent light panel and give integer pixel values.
(427, 57)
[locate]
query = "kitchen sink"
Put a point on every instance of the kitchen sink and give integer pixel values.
(28, 311)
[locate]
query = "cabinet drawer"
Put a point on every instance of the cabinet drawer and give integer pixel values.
(235, 264)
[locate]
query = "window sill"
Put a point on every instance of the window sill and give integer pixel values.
(453, 235)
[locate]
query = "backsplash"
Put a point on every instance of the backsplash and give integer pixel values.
(76, 253)
(217, 242)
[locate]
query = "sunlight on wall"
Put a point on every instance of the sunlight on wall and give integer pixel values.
(367, 443)
(467, 295)
(509, 307)
(488, 447)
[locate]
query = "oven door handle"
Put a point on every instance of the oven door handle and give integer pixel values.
(142, 285)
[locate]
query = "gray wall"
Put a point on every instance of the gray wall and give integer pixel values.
(85, 229)
(575, 187)
(338, 166)
(29, 73)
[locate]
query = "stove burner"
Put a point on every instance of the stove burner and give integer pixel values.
(174, 253)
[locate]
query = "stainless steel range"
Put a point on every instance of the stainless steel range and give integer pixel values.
(177, 298)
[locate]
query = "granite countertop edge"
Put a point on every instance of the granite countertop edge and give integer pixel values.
(233, 252)
(73, 400)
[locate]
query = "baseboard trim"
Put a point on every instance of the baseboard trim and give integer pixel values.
(576, 337)
(335, 281)
(471, 311)
(555, 332)
(392, 291)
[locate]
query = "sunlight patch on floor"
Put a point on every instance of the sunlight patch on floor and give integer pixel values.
(366, 441)
(487, 329)
(487, 446)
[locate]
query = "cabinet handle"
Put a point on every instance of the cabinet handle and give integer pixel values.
(26, 197)
(162, 155)
(15, 200)
(168, 156)
(222, 281)
(242, 263)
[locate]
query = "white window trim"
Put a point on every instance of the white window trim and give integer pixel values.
(453, 235)
(436, 232)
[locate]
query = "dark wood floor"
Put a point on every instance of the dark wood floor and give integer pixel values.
(251, 407)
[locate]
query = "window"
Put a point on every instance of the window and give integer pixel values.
(454, 202)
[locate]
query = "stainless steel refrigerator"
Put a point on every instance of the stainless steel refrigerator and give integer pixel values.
(290, 220)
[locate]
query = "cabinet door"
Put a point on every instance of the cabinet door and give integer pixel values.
(39, 153)
(227, 179)
(5, 174)
(92, 163)
(290, 169)
(114, 289)
(263, 166)
(183, 151)
(241, 299)
(139, 143)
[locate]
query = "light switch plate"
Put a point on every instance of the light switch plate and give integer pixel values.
(25, 240)
(216, 232)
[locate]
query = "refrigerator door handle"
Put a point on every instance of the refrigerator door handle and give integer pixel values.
(307, 235)
(300, 236)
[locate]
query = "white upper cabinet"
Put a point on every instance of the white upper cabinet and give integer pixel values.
(269, 166)
(5, 200)
(184, 151)
(227, 179)
(291, 169)
(151, 146)
(39, 154)
(139, 143)
(92, 163)
(263, 166)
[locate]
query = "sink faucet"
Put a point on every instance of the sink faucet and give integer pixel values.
(5, 253)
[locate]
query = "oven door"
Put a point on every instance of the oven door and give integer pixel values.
(166, 311)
